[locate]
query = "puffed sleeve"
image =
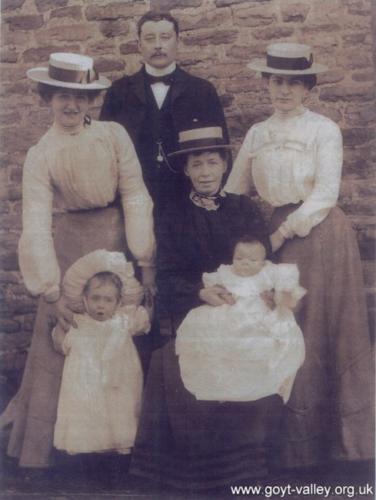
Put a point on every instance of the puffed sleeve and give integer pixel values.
(324, 195)
(36, 252)
(286, 279)
(211, 279)
(136, 201)
(240, 178)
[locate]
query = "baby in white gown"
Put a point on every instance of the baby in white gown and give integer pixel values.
(101, 388)
(244, 351)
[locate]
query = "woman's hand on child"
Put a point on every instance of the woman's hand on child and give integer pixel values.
(58, 336)
(64, 314)
(268, 298)
(285, 298)
(148, 279)
(277, 240)
(216, 295)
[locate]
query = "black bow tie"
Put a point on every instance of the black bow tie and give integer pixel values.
(166, 79)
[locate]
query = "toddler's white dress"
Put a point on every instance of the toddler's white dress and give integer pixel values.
(245, 351)
(101, 387)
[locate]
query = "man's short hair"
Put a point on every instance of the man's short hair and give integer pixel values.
(155, 17)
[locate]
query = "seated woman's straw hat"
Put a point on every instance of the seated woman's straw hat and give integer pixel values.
(96, 262)
(286, 58)
(200, 139)
(71, 71)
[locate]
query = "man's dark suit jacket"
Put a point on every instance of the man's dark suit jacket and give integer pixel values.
(193, 102)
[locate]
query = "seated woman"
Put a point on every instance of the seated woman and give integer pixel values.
(294, 159)
(181, 441)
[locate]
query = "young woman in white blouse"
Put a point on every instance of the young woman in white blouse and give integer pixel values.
(294, 160)
(89, 174)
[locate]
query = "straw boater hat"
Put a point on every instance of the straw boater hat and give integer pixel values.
(287, 58)
(71, 71)
(95, 262)
(200, 139)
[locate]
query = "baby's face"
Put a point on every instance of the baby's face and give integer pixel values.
(101, 300)
(249, 258)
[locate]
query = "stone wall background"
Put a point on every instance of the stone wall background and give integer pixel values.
(218, 37)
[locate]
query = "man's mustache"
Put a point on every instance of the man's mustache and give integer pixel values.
(158, 53)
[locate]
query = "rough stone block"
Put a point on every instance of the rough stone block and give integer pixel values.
(294, 12)
(224, 3)
(19, 138)
(358, 7)
(105, 65)
(9, 261)
(357, 136)
(10, 192)
(74, 12)
(65, 33)
(211, 19)
(253, 16)
(347, 93)
(8, 55)
(9, 326)
(39, 54)
(9, 276)
(213, 37)
(331, 76)
(129, 47)
(11, 221)
(273, 33)
(363, 76)
(166, 5)
(44, 5)
(351, 39)
(318, 27)
(125, 9)
(28, 22)
(114, 28)
(246, 52)
(9, 5)
(357, 115)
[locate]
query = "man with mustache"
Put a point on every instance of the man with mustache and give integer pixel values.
(157, 102)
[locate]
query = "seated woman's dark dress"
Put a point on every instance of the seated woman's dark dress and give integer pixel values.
(181, 441)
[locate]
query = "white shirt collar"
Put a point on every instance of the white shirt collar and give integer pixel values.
(160, 72)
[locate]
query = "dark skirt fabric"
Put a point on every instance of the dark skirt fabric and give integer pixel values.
(198, 445)
(34, 407)
(329, 415)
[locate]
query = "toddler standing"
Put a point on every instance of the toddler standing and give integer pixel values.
(101, 386)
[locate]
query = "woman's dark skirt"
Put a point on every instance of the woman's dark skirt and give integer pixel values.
(329, 414)
(198, 445)
(34, 407)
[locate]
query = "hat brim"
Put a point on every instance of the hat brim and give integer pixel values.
(198, 148)
(40, 75)
(260, 66)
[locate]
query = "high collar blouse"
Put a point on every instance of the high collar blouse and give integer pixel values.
(295, 159)
(80, 171)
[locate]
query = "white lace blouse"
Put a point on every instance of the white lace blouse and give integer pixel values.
(292, 160)
(74, 172)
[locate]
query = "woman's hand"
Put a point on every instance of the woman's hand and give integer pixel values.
(268, 298)
(148, 280)
(58, 336)
(63, 314)
(216, 295)
(150, 289)
(277, 240)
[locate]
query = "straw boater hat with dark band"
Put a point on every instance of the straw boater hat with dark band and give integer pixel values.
(287, 58)
(71, 71)
(200, 139)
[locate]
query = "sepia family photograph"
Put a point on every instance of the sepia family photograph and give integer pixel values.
(187, 249)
